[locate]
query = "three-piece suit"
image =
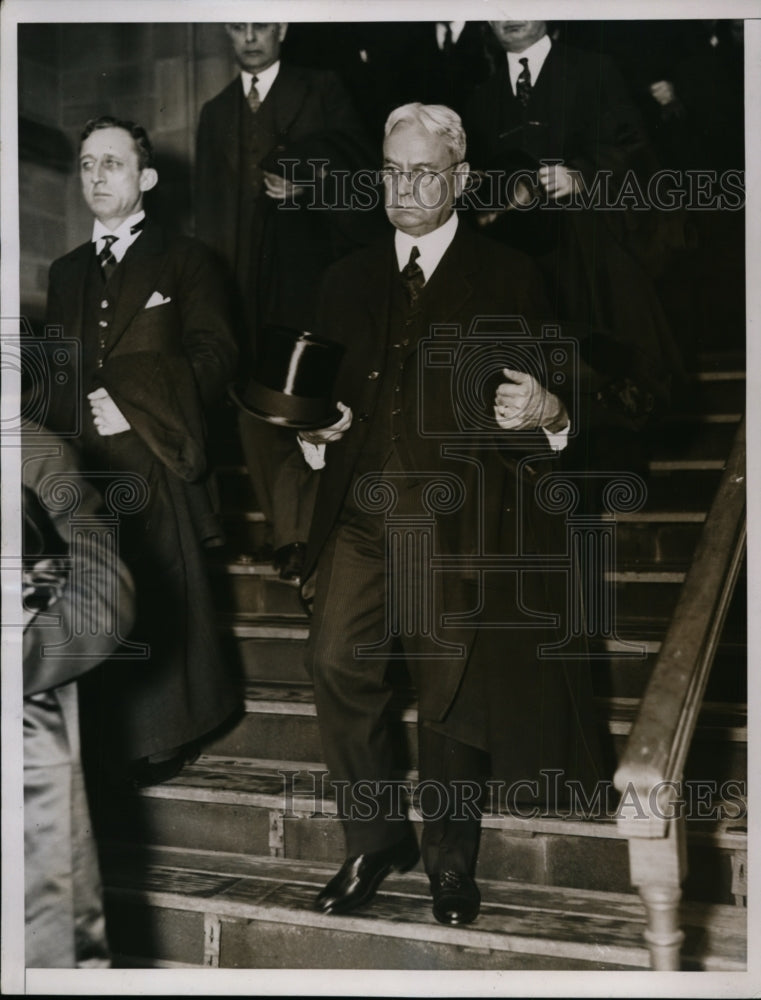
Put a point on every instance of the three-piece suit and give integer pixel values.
(157, 337)
(410, 468)
(278, 253)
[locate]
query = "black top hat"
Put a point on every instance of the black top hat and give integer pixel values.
(293, 382)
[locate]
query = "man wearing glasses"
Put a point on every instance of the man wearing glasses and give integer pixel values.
(403, 469)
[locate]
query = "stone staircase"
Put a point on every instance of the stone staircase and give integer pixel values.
(218, 867)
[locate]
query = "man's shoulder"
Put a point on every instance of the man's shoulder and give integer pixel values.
(365, 259)
(74, 256)
(225, 98)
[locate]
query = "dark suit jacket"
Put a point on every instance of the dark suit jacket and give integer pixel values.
(286, 251)
(164, 366)
(580, 111)
(475, 280)
(596, 262)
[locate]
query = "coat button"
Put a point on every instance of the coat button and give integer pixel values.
(104, 304)
(397, 388)
(396, 412)
(102, 322)
(373, 375)
(395, 437)
(362, 417)
(405, 342)
(100, 362)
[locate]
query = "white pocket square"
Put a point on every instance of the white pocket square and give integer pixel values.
(157, 299)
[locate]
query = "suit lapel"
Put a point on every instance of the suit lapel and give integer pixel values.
(229, 108)
(451, 284)
(76, 280)
(287, 96)
(139, 279)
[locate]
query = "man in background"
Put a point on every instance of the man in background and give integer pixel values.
(264, 220)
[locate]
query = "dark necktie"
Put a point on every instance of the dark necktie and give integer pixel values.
(523, 83)
(446, 47)
(254, 101)
(106, 257)
(413, 277)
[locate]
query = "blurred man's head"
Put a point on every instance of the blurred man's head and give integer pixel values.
(423, 166)
(115, 168)
(517, 36)
(256, 46)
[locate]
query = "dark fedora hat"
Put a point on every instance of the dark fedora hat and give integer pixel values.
(292, 384)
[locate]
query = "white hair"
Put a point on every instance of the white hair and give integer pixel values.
(437, 119)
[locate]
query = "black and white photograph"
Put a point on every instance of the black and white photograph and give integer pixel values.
(377, 594)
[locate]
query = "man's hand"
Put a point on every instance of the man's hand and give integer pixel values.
(107, 416)
(558, 181)
(524, 404)
(663, 92)
(280, 188)
(333, 433)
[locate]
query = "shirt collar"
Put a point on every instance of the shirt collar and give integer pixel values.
(454, 26)
(432, 246)
(536, 54)
(124, 237)
(264, 80)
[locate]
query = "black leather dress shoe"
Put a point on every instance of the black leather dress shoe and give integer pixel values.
(358, 878)
(456, 899)
(289, 561)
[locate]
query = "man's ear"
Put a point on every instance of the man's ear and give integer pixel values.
(148, 179)
(461, 176)
(281, 31)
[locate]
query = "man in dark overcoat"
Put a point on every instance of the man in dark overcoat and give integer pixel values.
(270, 223)
(445, 430)
(149, 313)
(565, 116)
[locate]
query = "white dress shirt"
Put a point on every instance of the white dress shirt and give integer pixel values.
(432, 246)
(536, 54)
(441, 31)
(264, 80)
(124, 238)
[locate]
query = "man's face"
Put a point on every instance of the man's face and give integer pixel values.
(517, 36)
(256, 46)
(112, 181)
(419, 179)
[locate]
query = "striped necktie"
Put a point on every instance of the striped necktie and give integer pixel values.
(413, 277)
(106, 257)
(523, 83)
(254, 101)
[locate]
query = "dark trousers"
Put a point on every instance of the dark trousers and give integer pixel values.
(352, 694)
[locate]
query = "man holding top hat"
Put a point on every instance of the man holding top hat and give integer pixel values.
(424, 462)
(266, 146)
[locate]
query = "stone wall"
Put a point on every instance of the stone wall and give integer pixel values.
(156, 74)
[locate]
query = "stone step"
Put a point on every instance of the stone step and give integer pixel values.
(251, 587)
(639, 544)
(286, 808)
(273, 649)
(234, 911)
(691, 440)
(280, 723)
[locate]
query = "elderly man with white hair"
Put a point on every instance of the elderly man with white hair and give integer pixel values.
(406, 481)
